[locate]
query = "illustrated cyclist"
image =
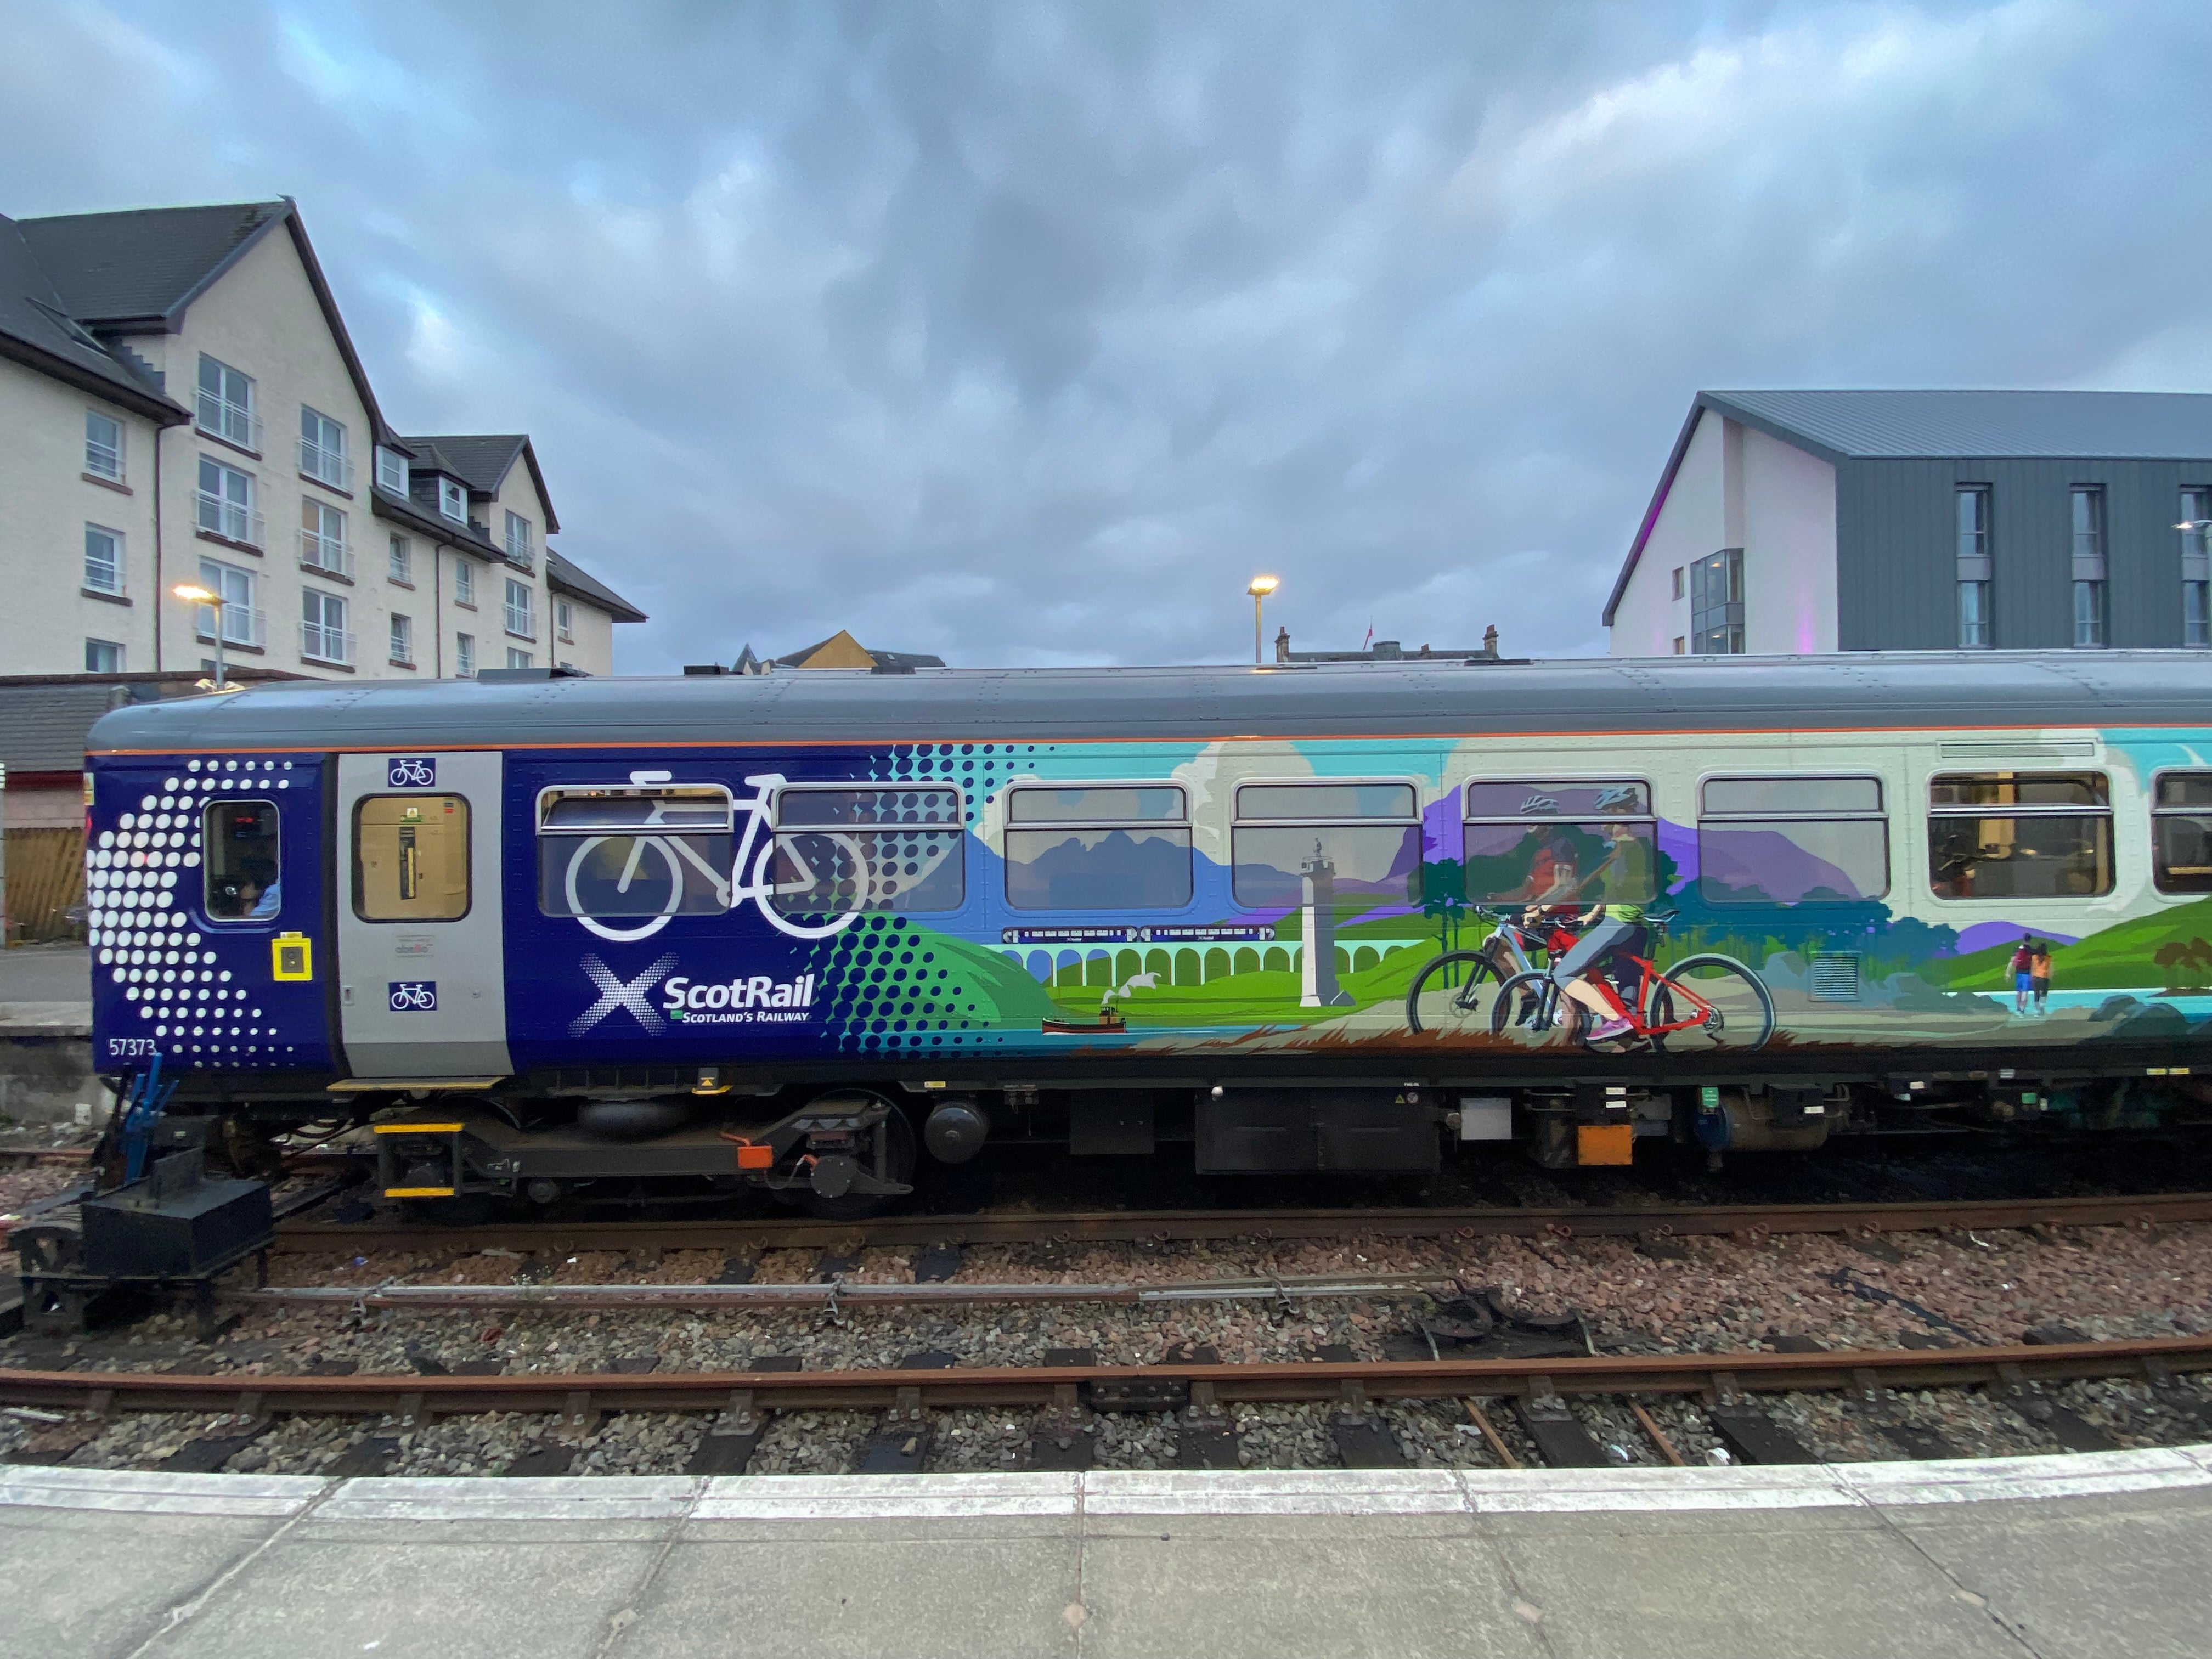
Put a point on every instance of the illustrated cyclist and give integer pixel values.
(1610, 929)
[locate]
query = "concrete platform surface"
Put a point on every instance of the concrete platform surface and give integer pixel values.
(2062, 1558)
(46, 973)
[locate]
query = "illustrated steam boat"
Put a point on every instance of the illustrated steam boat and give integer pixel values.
(1109, 1020)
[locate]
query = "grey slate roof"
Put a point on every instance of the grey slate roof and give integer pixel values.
(482, 460)
(42, 727)
(2144, 425)
(566, 575)
(1018, 706)
(37, 325)
(146, 262)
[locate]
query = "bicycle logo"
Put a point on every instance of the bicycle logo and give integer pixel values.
(676, 854)
(414, 996)
(411, 772)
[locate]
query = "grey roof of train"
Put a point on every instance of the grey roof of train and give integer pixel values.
(2115, 688)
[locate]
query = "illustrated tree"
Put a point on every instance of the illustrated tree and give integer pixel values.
(2188, 963)
(1443, 889)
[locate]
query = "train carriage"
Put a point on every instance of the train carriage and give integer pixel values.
(552, 933)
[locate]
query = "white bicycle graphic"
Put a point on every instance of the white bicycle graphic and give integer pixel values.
(413, 999)
(409, 775)
(676, 851)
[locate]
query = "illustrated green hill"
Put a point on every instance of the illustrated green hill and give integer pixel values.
(2172, 951)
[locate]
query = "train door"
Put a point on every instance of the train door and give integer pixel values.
(422, 986)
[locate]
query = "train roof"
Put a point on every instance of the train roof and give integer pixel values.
(1445, 697)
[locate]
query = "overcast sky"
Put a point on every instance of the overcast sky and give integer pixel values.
(1028, 334)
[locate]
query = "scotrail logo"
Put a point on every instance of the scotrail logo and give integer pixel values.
(760, 1000)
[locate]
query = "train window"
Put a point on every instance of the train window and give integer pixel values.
(841, 850)
(410, 858)
(2181, 829)
(241, 865)
(638, 851)
(1792, 841)
(1105, 848)
(2020, 835)
(1365, 837)
(1577, 841)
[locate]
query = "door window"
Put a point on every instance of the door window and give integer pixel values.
(241, 884)
(410, 858)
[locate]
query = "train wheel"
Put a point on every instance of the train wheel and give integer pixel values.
(857, 1207)
(1456, 977)
(1731, 1004)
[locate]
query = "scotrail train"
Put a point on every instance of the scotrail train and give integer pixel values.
(548, 933)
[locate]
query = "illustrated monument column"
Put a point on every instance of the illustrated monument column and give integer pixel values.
(1318, 988)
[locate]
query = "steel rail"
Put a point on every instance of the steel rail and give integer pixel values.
(1617, 1221)
(842, 1292)
(573, 1394)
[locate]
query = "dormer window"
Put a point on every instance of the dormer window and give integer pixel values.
(391, 470)
(452, 500)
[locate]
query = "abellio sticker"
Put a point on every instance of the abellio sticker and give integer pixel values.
(760, 1000)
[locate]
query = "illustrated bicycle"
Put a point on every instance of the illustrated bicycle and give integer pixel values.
(413, 999)
(1700, 1004)
(410, 773)
(675, 853)
(1510, 951)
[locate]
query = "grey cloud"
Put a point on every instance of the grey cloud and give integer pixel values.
(1028, 333)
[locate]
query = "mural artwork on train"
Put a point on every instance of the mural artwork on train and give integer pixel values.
(1101, 898)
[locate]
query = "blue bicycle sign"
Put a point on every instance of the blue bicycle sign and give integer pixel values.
(413, 996)
(411, 772)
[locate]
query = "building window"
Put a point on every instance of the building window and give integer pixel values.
(518, 540)
(465, 655)
(2196, 528)
(323, 540)
(241, 623)
(403, 641)
(1122, 848)
(452, 500)
(1973, 552)
(564, 618)
(1678, 581)
(1574, 842)
(403, 561)
(1792, 841)
(1717, 605)
(103, 446)
(2020, 836)
(226, 504)
(323, 637)
(391, 470)
(520, 620)
(517, 658)
(1363, 839)
(323, 449)
(103, 559)
(1681, 644)
(841, 850)
(103, 657)
(465, 582)
(226, 405)
(2089, 628)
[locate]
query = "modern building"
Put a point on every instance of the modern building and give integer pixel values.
(181, 404)
(1798, 522)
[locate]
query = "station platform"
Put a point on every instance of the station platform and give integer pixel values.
(2092, 1556)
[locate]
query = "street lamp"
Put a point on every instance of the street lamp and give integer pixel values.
(1260, 587)
(195, 594)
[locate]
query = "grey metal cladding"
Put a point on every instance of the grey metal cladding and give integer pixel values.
(2172, 425)
(1193, 704)
(1895, 566)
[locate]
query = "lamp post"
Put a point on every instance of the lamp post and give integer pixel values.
(1260, 587)
(195, 594)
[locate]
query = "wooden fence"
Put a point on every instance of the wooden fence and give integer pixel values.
(45, 882)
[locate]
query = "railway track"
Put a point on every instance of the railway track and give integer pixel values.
(742, 1401)
(305, 1235)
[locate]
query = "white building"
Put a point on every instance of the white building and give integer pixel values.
(181, 403)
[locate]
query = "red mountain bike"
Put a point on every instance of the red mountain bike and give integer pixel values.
(1700, 1004)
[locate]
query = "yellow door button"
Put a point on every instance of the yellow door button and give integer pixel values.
(291, 957)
